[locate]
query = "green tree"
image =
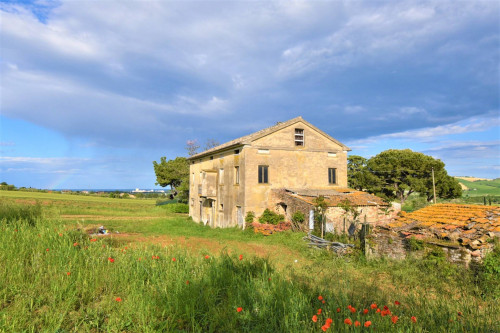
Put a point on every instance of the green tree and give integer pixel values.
(173, 173)
(403, 172)
(358, 175)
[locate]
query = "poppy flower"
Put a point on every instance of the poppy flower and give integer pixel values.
(68, 273)
(397, 303)
(320, 297)
(319, 311)
(323, 301)
(241, 257)
(386, 307)
(47, 250)
(353, 310)
(394, 319)
(329, 321)
(207, 256)
(93, 240)
(118, 299)
(111, 259)
(324, 328)
(378, 310)
(373, 306)
(357, 323)
(60, 235)
(348, 321)
(239, 309)
(414, 319)
(459, 314)
(338, 310)
(173, 259)
(368, 323)
(365, 311)
(187, 281)
(75, 244)
(315, 318)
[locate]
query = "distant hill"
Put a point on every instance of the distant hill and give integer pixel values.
(479, 186)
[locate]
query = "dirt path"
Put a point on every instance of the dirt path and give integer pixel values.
(108, 217)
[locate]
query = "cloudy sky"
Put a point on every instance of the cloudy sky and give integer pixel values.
(93, 91)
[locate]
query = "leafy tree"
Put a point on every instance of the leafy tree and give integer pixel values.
(403, 172)
(173, 173)
(358, 175)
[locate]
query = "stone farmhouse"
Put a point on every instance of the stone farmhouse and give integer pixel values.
(282, 168)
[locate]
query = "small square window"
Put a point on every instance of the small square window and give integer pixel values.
(299, 137)
(263, 174)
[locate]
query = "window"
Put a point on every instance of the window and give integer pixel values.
(263, 174)
(236, 174)
(332, 177)
(263, 151)
(299, 137)
(236, 152)
(221, 176)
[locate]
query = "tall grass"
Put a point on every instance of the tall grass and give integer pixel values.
(57, 279)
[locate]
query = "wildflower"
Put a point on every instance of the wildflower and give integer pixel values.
(68, 273)
(353, 310)
(103, 245)
(319, 311)
(383, 313)
(268, 279)
(348, 321)
(320, 297)
(386, 307)
(414, 319)
(324, 328)
(338, 310)
(357, 323)
(47, 250)
(323, 301)
(118, 299)
(368, 323)
(394, 319)
(239, 309)
(365, 311)
(173, 259)
(207, 256)
(459, 314)
(378, 310)
(241, 257)
(397, 303)
(315, 318)
(60, 235)
(75, 244)
(187, 281)
(373, 306)
(329, 321)
(111, 259)
(93, 240)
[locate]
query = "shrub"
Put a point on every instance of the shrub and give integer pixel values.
(271, 217)
(415, 244)
(298, 217)
(249, 217)
(180, 208)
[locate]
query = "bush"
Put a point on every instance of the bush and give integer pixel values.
(249, 217)
(271, 217)
(180, 208)
(298, 217)
(415, 244)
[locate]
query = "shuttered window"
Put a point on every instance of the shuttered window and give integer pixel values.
(263, 174)
(332, 176)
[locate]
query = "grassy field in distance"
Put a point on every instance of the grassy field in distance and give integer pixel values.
(481, 187)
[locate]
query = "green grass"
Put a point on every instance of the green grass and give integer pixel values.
(36, 294)
(481, 187)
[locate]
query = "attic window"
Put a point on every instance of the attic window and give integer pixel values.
(237, 151)
(299, 137)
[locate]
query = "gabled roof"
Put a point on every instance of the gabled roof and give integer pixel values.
(247, 139)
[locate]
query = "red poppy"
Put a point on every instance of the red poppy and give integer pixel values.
(365, 311)
(324, 328)
(323, 301)
(268, 279)
(173, 259)
(353, 310)
(68, 273)
(315, 318)
(338, 309)
(384, 313)
(187, 281)
(239, 309)
(357, 323)
(111, 259)
(373, 306)
(348, 321)
(320, 297)
(378, 310)
(394, 319)
(386, 307)
(459, 314)
(319, 311)
(207, 256)
(241, 257)
(414, 319)
(93, 240)
(47, 250)
(368, 324)
(118, 299)
(397, 303)
(75, 244)
(329, 321)
(60, 235)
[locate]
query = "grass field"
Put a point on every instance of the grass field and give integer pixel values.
(481, 187)
(162, 272)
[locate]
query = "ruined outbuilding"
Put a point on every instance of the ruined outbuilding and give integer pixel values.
(465, 233)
